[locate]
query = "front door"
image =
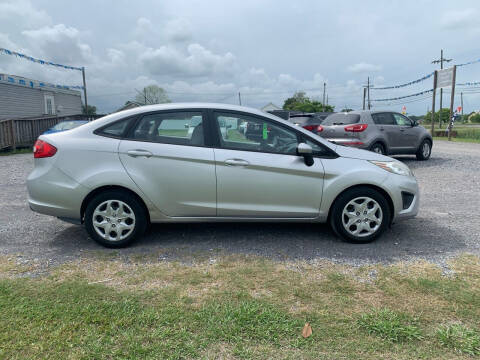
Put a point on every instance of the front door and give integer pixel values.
(408, 134)
(166, 157)
(259, 173)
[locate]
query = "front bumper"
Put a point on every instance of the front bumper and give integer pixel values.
(398, 184)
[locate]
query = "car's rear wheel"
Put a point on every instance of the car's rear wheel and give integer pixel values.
(115, 219)
(424, 151)
(360, 215)
(378, 148)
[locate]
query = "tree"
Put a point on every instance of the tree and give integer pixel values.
(474, 118)
(427, 119)
(152, 94)
(91, 110)
(300, 102)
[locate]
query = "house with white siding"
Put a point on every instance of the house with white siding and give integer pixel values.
(24, 98)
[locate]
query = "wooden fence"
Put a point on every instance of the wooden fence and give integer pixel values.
(23, 132)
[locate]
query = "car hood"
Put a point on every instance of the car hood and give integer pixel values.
(353, 153)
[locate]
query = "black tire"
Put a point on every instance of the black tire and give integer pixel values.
(139, 212)
(424, 155)
(336, 215)
(378, 148)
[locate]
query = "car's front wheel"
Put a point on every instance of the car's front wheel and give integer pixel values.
(114, 219)
(360, 215)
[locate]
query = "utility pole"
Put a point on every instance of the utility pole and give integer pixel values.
(441, 60)
(327, 99)
(433, 102)
(461, 99)
(364, 96)
(368, 92)
(324, 86)
(239, 99)
(452, 99)
(85, 91)
(145, 96)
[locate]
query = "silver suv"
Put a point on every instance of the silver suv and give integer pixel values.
(379, 131)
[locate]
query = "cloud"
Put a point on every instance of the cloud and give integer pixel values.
(178, 30)
(59, 42)
(197, 61)
(364, 67)
(458, 19)
(21, 13)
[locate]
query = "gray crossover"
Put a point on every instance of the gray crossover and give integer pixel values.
(381, 131)
(212, 162)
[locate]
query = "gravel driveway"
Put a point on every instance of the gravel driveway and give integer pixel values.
(448, 223)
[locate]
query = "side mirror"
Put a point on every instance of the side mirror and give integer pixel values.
(306, 151)
(414, 123)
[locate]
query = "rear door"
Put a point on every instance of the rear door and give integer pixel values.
(259, 173)
(166, 156)
(388, 129)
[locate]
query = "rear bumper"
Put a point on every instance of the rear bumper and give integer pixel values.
(353, 142)
(52, 192)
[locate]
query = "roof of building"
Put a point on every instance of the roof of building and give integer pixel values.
(36, 84)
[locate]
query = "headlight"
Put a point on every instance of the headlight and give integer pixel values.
(395, 167)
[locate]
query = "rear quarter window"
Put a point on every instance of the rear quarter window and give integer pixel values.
(341, 119)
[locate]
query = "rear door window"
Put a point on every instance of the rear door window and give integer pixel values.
(341, 119)
(383, 119)
(179, 128)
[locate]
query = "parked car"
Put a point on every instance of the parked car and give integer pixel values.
(65, 125)
(310, 121)
(383, 132)
(126, 170)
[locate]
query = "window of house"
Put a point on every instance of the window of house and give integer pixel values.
(49, 104)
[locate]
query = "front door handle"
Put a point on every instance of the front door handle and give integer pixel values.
(236, 162)
(137, 153)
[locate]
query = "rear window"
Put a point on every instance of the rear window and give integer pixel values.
(341, 119)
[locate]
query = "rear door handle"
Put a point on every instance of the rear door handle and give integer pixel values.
(137, 153)
(236, 162)
(382, 129)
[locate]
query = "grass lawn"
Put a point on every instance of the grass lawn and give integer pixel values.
(18, 151)
(239, 308)
(465, 133)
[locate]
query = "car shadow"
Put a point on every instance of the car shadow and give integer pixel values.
(416, 238)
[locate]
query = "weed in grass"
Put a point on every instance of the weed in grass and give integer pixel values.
(390, 325)
(459, 338)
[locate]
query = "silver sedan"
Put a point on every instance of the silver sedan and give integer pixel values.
(118, 174)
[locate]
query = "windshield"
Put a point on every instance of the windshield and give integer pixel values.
(341, 119)
(67, 125)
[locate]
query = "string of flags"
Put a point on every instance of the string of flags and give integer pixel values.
(469, 63)
(469, 83)
(43, 62)
(36, 84)
(406, 84)
(406, 96)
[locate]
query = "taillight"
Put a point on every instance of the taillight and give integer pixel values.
(314, 128)
(42, 149)
(356, 127)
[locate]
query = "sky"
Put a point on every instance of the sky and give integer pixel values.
(211, 50)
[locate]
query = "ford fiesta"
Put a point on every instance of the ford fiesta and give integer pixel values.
(195, 162)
